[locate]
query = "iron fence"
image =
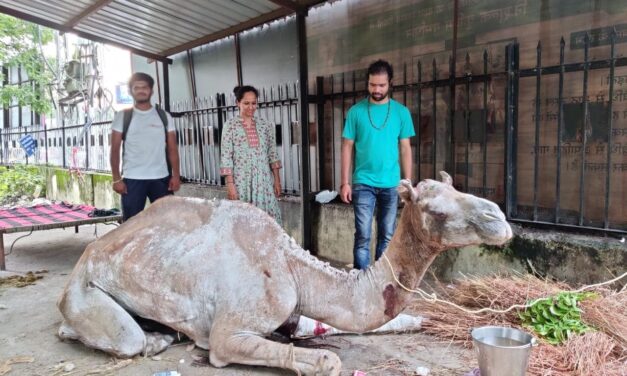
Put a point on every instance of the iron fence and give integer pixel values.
(568, 168)
(75, 147)
(199, 128)
(198, 124)
(503, 134)
(444, 136)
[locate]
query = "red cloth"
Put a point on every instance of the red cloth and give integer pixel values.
(43, 215)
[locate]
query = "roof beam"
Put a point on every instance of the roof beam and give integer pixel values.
(267, 17)
(312, 3)
(86, 12)
(291, 5)
(53, 25)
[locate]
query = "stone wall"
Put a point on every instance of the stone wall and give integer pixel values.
(89, 188)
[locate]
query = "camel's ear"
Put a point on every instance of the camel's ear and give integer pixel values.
(446, 178)
(407, 192)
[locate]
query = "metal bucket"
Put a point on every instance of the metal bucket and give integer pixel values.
(502, 351)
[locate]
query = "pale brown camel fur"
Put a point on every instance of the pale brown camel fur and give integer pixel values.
(225, 274)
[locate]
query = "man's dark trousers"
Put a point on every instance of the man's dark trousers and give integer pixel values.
(138, 190)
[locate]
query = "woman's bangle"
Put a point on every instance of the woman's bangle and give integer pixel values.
(117, 181)
(343, 184)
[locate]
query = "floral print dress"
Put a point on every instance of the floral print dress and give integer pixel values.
(249, 154)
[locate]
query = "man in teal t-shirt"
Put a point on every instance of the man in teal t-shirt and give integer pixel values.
(377, 128)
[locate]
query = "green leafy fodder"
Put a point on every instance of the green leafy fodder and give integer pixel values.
(556, 318)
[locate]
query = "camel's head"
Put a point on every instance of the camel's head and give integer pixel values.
(452, 218)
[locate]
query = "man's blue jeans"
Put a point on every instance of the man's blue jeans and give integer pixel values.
(365, 198)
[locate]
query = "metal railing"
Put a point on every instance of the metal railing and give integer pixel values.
(198, 125)
(475, 124)
(199, 128)
(578, 149)
(444, 136)
(68, 147)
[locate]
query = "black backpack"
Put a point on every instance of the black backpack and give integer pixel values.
(126, 122)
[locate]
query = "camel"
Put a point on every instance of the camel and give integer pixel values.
(225, 274)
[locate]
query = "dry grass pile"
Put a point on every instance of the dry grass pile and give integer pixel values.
(602, 352)
(608, 314)
(592, 353)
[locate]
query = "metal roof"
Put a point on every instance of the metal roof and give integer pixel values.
(153, 28)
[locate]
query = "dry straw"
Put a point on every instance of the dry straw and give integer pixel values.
(601, 352)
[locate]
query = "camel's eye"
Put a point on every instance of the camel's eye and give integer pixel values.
(439, 215)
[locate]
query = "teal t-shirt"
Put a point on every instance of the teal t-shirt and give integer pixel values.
(376, 141)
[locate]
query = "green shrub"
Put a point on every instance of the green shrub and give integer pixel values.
(21, 181)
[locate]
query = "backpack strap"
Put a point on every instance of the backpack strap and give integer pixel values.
(126, 122)
(164, 118)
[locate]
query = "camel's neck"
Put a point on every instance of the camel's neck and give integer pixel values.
(367, 300)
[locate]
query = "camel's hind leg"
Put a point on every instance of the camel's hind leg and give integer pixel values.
(243, 347)
(94, 318)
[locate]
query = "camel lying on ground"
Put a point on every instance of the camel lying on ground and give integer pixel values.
(225, 274)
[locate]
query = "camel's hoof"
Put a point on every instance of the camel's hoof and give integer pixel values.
(66, 331)
(329, 364)
(156, 343)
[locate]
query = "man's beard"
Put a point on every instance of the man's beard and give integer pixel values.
(379, 97)
(142, 101)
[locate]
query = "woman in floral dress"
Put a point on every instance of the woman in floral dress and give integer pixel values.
(249, 160)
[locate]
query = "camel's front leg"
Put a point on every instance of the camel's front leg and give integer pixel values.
(227, 346)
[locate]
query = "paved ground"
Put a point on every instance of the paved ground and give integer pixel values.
(29, 320)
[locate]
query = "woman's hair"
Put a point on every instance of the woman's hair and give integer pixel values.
(239, 91)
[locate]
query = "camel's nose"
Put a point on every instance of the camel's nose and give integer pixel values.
(494, 215)
(491, 211)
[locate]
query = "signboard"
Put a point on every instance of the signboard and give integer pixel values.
(27, 142)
